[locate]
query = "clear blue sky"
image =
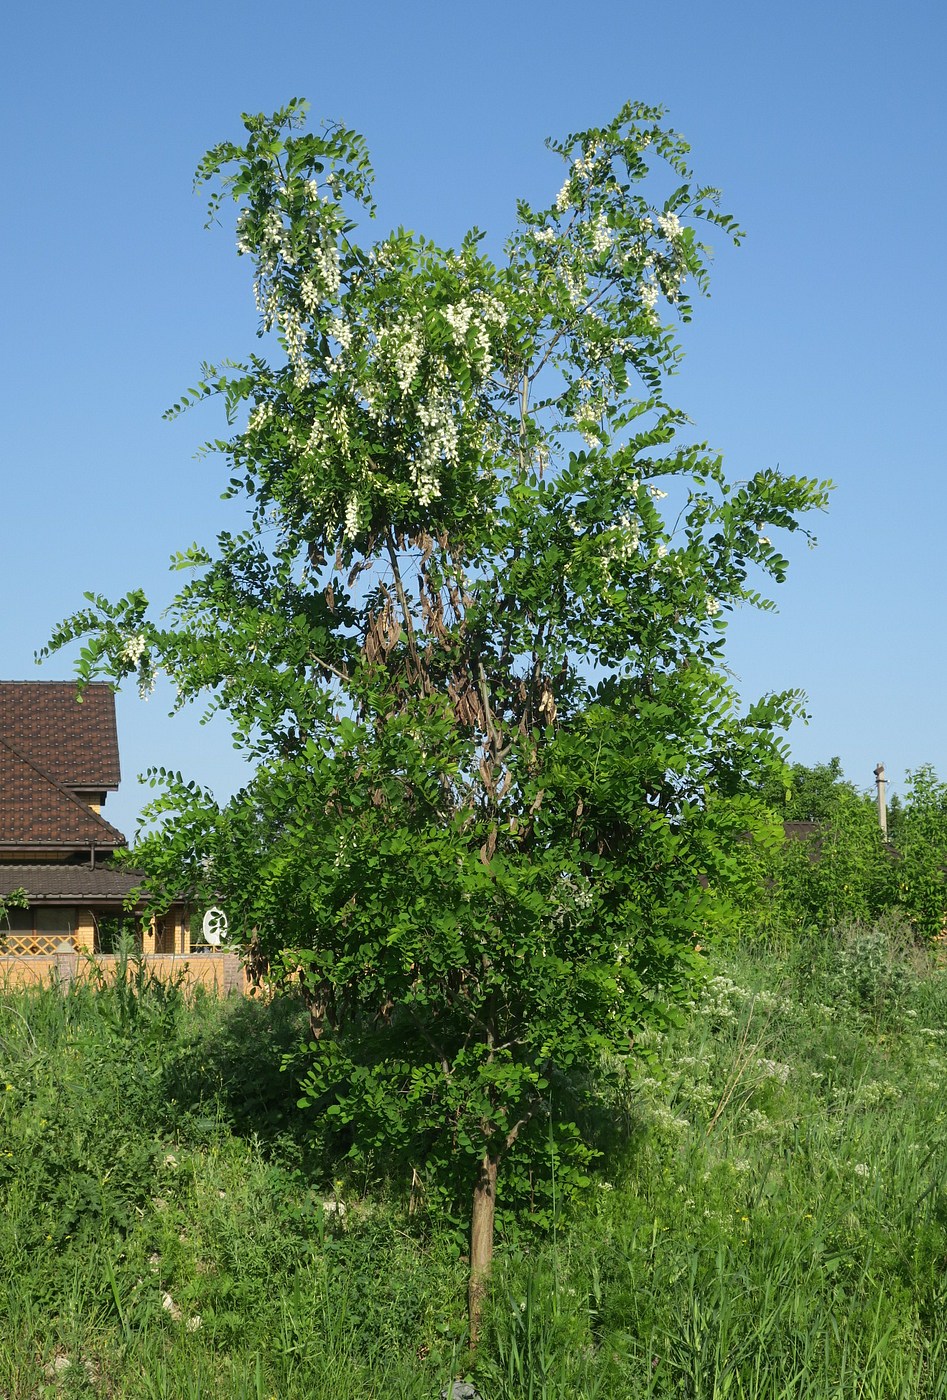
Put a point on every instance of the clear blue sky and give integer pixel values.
(821, 350)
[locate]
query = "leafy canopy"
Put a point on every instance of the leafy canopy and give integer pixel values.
(472, 635)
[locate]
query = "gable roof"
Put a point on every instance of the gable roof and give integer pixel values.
(37, 811)
(74, 744)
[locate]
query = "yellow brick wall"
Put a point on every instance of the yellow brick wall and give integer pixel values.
(84, 937)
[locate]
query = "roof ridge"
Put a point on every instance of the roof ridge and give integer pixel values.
(64, 791)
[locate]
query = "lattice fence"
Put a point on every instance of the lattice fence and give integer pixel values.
(35, 944)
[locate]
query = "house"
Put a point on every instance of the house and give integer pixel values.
(58, 761)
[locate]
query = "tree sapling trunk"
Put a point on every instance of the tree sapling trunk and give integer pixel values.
(481, 1241)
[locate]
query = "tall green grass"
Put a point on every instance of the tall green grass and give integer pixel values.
(769, 1220)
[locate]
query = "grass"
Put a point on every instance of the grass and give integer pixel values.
(770, 1221)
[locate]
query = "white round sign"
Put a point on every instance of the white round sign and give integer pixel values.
(214, 927)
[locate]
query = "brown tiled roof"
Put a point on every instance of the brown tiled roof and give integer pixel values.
(69, 882)
(37, 811)
(76, 744)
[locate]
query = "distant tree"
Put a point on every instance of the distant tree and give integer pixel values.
(472, 637)
(918, 830)
(845, 869)
(807, 793)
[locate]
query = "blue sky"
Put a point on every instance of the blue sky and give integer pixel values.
(821, 350)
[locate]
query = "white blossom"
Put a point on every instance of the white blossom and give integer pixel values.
(459, 318)
(601, 235)
(342, 330)
(712, 605)
(670, 226)
(134, 648)
(309, 293)
(243, 241)
(260, 415)
(648, 292)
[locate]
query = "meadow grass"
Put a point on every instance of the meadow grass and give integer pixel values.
(769, 1220)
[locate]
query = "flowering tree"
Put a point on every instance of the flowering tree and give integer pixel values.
(472, 637)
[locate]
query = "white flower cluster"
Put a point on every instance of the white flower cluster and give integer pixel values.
(712, 605)
(274, 240)
(350, 528)
(459, 317)
(438, 446)
(243, 241)
(290, 324)
(576, 285)
(309, 293)
(342, 331)
(134, 648)
(401, 348)
(630, 536)
(260, 415)
(670, 226)
(266, 298)
(481, 314)
(601, 235)
(773, 1069)
(325, 262)
(544, 235)
(648, 293)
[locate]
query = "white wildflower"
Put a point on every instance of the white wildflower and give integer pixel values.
(712, 605)
(544, 235)
(657, 493)
(862, 1169)
(773, 1069)
(563, 198)
(350, 529)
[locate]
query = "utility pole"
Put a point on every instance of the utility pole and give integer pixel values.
(882, 800)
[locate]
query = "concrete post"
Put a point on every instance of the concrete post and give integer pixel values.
(882, 799)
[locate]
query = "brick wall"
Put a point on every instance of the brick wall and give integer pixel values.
(217, 972)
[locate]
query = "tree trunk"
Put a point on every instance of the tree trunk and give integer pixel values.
(481, 1241)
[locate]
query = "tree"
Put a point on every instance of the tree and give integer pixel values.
(472, 637)
(918, 831)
